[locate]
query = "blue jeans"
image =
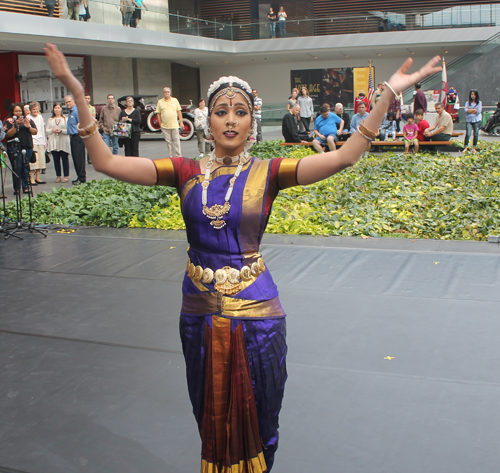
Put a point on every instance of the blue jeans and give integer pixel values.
(272, 27)
(282, 28)
(472, 128)
(113, 139)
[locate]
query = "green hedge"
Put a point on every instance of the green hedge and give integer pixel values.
(396, 195)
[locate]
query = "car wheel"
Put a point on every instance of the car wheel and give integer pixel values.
(153, 122)
(496, 130)
(188, 131)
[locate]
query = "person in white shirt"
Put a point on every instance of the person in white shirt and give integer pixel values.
(200, 124)
(39, 145)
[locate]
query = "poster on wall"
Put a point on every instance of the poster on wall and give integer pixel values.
(39, 84)
(331, 85)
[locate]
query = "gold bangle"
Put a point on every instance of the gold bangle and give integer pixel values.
(94, 132)
(88, 130)
(396, 96)
(366, 133)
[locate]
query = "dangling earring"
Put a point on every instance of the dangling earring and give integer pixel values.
(250, 134)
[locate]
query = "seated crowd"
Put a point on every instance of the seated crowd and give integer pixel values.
(332, 127)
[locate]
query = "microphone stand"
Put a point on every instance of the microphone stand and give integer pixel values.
(5, 224)
(21, 224)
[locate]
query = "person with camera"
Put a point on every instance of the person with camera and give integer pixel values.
(19, 131)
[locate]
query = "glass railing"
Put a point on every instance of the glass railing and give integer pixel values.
(158, 17)
(434, 81)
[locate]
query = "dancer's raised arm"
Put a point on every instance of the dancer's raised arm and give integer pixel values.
(125, 168)
(320, 166)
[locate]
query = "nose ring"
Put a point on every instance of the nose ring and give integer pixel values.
(235, 123)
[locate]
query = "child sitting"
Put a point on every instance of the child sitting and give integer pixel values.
(388, 127)
(410, 132)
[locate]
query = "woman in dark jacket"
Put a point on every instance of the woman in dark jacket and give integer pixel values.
(132, 115)
(19, 131)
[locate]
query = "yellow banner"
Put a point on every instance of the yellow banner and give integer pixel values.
(361, 78)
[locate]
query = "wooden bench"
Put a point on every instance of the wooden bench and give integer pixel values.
(455, 134)
(374, 144)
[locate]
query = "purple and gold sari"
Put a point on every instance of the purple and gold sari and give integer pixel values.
(232, 328)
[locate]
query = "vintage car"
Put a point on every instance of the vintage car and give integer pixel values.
(149, 119)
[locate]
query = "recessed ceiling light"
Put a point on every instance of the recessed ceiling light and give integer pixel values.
(378, 54)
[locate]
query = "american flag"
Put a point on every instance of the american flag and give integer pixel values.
(371, 89)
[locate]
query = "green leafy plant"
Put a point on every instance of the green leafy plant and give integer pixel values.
(393, 195)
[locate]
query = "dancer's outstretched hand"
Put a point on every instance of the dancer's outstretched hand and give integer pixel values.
(61, 68)
(401, 81)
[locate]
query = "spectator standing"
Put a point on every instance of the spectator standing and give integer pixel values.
(339, 110)
(139, 4)
(50, 5)
(473, 117)
(420, 102)
(110, 114)
(257, 109)
(377, 94)
(127, 9)
(282, 22)
(200, 124)
(76, 142)
(58, 144)
(421, 123)
(92, 114)
(22, 128)
(361, 98)
(306, 108)
(73, 9)
(410, 133)
(359, 117)
(39, 144)
(169, 114)
(82, 11)
(325, 129)
(272, 22)
(395, 107)
(292, 100)
(131, 115)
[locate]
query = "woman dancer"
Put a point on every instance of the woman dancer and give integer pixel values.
(59, 145)
(473, 118)
(232, 323)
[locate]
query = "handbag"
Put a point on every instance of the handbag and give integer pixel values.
(122, 130)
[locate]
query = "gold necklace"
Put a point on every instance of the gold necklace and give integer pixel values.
(217, 212)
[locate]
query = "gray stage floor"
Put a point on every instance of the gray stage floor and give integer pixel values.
(393, 354)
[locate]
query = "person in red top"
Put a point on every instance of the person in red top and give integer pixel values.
(361, 98)
(421, 123)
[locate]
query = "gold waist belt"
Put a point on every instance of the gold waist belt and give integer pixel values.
(227, 279)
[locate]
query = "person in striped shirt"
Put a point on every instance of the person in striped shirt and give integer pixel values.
(257, 107)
